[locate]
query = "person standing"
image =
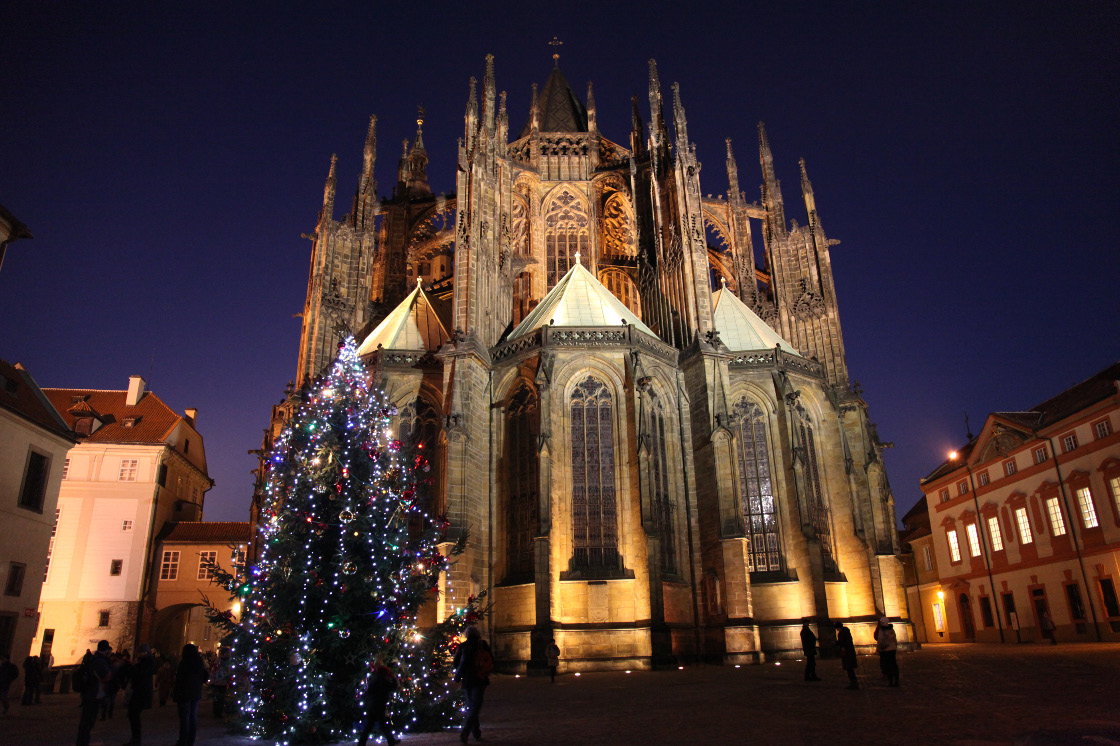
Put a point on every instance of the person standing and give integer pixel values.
(847, 647)
(8, 674)
(187, 692)
(1048, 627)
(165, 676)
(886, 642)
(809, 647)
(220, 672)
(93, 674)
(553, 654)
(143, 671)
(381, 687)
(473, 663)
(32, 678)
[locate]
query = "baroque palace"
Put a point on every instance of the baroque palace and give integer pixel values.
(635, 397)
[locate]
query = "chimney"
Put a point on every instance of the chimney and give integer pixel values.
(135, 390)
(190, 415)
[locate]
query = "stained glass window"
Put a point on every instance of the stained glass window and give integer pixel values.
(756, 490)
(818, 513)
(664, 511)
(522, 485)
(594, 512)
(623, 288)
(566, 232)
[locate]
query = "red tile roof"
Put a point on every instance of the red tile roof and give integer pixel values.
(20, 394)
(208, 532)
(152, 420)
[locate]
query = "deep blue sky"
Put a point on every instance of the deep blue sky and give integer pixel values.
(167, 157)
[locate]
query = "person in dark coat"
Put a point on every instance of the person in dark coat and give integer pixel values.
(187, 692)
(98, 672)
(847, 647)
(142, 674)
(165, 676)
(474, 684)
(809, 647)
(32, 678)
(381, 687)
(8, 674)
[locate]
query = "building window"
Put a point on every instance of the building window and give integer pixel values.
(927, 555)
(664, 510)
(169, 569)
(1069, 443)
(986, 612)
(34, 488)
(973, 539)
(115, 566)
(1040, 454)
(50, 547)
(522, 481)
(129, 467)
(954, 547)
(938, 617)
(982, 477)
(66, 469)
(623, 288)
(962, 487)
(566, 234)
(944, 495)
(1076, 607)
(103, 619)
(420, 429)
(1024, 524)
(1114, 488)
(126, 525)
(205, 559)
(1057, 524)
(994, 534)
(187, 446)
(1009, 467)
(1088, 510)
(14, 586)
(756, 489)
(1108, 596)
(1103, 429)
(594, 509)
(818, 513)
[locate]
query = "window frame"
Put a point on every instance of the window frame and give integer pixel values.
(983, 479)
(1057, 520)
(104, 618)
(943, 495)
(972, 533)
(17, 575)
(1102, 429)
(954, 546)
(116, 567)
(1023, 523)
(1086, 508)
(26, 500)
(927, 557)
(1010, 468)
(995, 534)
(129, 471)
(203, 556)
(1069, 442)
(1041, 454)
(169, 565)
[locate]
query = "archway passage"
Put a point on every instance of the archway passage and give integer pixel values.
(169, 629)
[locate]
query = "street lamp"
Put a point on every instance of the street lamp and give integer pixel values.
(953, 456)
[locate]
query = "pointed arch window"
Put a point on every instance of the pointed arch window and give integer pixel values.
(663, 508)
(594, 509)
(818, 513)
(623, 288)
(420, 431)
(566, 232)
(756, 490)
(522, 482)
(522, 296)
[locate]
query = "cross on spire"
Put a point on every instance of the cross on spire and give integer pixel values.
(555, 44)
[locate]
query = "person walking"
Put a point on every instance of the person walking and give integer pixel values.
(473, 664)
(809, 647)
(93, 674)
(886, 643)
(553, 654)
(382, 684)
(1048, 628)
(187, 692)
(847, 648)
(8, 675)
(143, 671)
(220, 672)
(32, 678)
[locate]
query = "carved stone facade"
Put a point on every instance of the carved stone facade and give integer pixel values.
(648, 472)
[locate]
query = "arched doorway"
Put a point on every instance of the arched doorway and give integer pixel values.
(968, 629)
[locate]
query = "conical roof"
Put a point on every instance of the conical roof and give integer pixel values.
(740, 328)
(413, 325)
(579, 299)
(559, 108)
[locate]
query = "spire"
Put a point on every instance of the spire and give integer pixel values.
(414, 163)
(327, 212)
(503, 120)
(771, 187)
(534, 112)
(402, 165)
(807, 194)
(636, 143)
(366, 197)
(655, 122)
(591, 127)
(471, 117)
(555, 44)
(732, 175)
(488, 94)
(680, 124)
(420, 114)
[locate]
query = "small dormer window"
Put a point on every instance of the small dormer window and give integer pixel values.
(129, 421)
(79, 398)
(83, 425)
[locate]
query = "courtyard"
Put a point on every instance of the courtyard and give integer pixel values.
(951, 695)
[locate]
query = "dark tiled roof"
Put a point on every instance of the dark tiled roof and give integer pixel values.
(151, 420)
(917, 515)
(558, 107)
(208, 532)
(20, 394)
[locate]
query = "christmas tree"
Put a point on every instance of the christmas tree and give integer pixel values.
(348, 557)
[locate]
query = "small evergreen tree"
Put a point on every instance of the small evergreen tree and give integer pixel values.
(341, 576)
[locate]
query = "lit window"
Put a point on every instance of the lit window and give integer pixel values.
(954, 547)
(129, 467)
(126, 525)
(1103, 429)
(1040, 454)
(1024, 524)
(1088, 510)
(115, 567)
(973, 539)
(169, 570)
(927, 554)
(66, 469)
(1114, 488)
(204, 560)
(996, 536)
(1069, 443)
(523, 482)
(756, 489)
(938, 617)
(962, 487)
(1009, 467)
(944, 495)
(1055, 511)
(594, 505)
(983, 479)
(102, 619)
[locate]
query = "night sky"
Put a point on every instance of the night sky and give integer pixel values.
(167, 157)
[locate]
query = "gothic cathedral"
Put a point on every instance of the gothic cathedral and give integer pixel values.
(649, 434)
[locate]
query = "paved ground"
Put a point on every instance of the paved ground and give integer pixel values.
(951, 695)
